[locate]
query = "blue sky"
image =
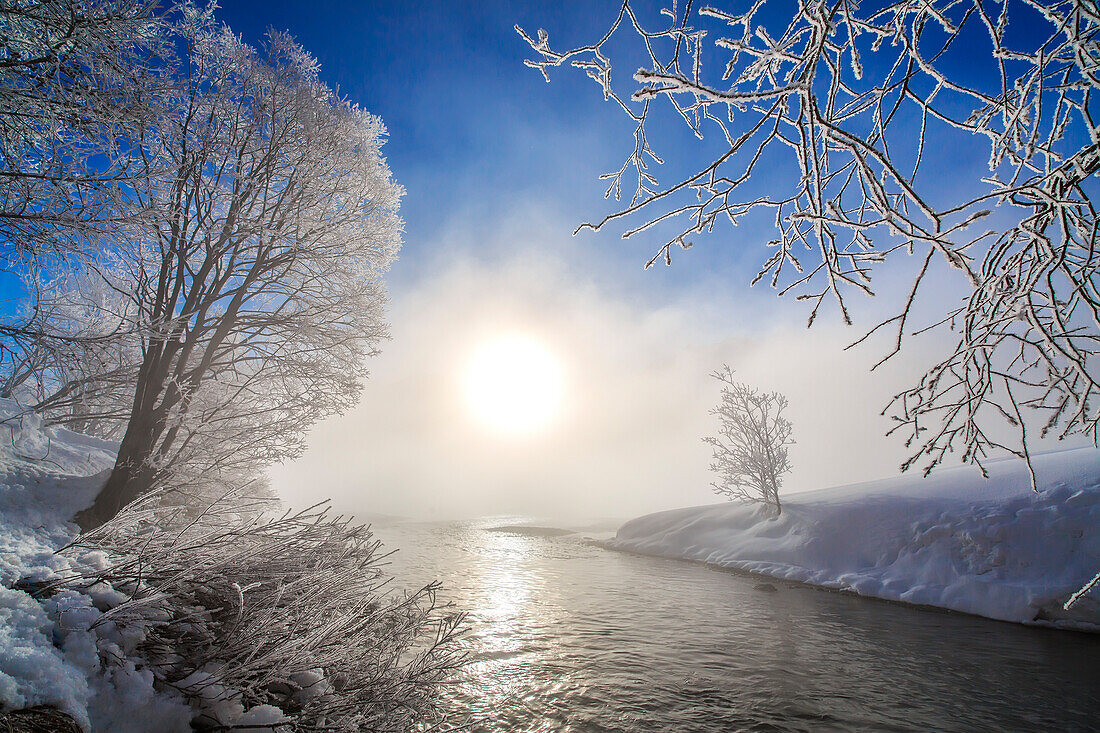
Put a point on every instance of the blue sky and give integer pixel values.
(471, 129)
(483, 145)
(475, 134)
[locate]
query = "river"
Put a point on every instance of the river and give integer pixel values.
(567, 636)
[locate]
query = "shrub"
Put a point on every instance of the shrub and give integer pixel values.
(289, 615)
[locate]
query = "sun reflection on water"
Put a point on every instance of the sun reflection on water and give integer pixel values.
(563, 636)
(511, 646)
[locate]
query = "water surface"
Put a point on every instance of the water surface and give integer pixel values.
(567, 636)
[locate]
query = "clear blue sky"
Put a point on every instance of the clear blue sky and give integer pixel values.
(474, 132)
(475, 135)
(471, 129)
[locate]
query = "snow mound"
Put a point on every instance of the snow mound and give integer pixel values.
(49, 654)
(990, 547)
(55, 650)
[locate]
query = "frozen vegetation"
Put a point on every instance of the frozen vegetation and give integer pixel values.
(48, 654)
(990, 547)
(196, 266)
(204, 622)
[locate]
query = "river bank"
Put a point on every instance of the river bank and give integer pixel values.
(984, 546)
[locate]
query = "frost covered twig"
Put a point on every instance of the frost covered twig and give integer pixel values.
(237, 607)
(825, 121)
(1082, 592)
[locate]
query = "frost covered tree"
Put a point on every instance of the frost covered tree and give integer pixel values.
(750, 451)
(78, 81)
(830, 119)
(254, 276)
(201, 228)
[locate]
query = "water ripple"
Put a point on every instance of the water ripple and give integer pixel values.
(566, 636)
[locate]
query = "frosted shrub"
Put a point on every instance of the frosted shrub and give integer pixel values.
(262, 619)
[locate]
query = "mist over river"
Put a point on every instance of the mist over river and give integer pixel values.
(567, 636)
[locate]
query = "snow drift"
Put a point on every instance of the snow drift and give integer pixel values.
(48, 654)
(52, 652)
(990, 547)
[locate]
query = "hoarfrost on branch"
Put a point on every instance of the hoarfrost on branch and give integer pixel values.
(850, 98)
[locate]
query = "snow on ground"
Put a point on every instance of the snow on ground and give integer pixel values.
(48, 655)
(990, 547)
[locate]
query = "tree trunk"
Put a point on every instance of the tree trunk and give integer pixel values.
(132, 475)
(773, 492)
(130, 478)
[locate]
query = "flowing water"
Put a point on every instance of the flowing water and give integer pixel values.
(567, 636)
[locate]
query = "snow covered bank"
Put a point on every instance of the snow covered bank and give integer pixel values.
(990, 547)
(48, 654)
(221, 613)
(52, 650)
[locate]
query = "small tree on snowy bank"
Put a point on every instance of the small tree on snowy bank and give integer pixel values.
(750, 450)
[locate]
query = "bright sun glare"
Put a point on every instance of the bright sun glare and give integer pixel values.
(513, 384)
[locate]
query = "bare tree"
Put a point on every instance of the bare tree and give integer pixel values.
(750, 450)
(255, 286)
(824, 121)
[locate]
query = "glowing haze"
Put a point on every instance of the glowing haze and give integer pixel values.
(513, 384)
(531, 371)
(519, 380)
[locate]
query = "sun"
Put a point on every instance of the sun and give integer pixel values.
(513, 384)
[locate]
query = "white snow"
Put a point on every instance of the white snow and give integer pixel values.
(263, 718)
(990, 547)
(32, 670)
(49, 655)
